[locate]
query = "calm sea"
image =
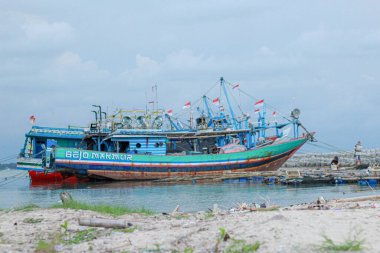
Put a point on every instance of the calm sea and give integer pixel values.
(16, 190)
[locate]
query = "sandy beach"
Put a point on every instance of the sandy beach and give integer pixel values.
(283, 230)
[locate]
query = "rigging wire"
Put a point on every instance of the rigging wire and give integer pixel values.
(7, 158)
(238, 104)
(268, 105)
(12, 178)
(337, 149)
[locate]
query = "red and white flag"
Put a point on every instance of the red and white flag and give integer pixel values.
(170, 112)
(257, 110)
(187, 105)
(216, 101)
(236, 86)
(32, 119)
(259, 103)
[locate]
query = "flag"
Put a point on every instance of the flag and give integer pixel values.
(257, 110)
(215, 101)
(187, 105)
(32, 119)
(170, 112)
(259, 103)
(274, 114)
(236, 86)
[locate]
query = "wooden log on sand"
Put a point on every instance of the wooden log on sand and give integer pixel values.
(105, 223)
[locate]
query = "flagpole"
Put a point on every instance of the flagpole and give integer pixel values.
(146, 103)
(191, 116)
(156, 98)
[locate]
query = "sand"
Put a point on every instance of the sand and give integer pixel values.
(283, 230)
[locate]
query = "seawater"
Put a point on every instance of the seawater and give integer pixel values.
(17, 191)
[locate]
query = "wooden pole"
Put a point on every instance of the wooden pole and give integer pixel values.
(105, 223)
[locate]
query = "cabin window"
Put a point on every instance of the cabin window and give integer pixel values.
(138, 145)
(123, 147)
(40, 147)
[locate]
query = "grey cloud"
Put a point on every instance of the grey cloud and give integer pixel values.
(58, 59)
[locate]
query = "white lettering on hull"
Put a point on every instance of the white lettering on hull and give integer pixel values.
(79, 155)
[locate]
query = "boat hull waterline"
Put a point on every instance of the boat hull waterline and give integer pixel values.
(148, 167)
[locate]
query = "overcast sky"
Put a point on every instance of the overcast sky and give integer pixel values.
(57, 58)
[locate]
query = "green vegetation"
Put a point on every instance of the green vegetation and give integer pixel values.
(65, 238)
(181, 216)
(350, 244)
(65, 226)
(1, 239)
(26, 208)
(32, 220)
(209, 215)
(126, 230)
(48, 247)
(236, 246)
(82, 236)
(105, 209)
(240, 246)
(188, 250)
(156, 249)
(45, 247)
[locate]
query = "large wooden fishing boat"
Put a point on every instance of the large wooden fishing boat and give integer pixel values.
(121, 166)
(138, 146)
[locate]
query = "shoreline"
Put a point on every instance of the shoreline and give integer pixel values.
(298, 228)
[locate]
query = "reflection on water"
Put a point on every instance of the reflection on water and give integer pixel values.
(164, 197)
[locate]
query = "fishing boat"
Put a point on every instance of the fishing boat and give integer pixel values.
(122, 166)
(139, 148)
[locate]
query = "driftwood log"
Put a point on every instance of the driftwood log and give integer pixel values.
(105, 223)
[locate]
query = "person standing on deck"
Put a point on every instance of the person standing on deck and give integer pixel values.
(334, 165)
(358, 152)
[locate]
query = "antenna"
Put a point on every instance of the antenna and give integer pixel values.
(96, 115)
(100, 112)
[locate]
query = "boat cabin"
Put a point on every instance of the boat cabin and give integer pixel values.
(147, 142)
(40, 138)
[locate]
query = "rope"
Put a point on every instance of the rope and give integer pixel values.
(12, 179)
(339, 150)
(7, 158)
(268, 105)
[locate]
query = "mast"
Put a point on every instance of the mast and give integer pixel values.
(210, 123)
(191, 117)
(228, 101)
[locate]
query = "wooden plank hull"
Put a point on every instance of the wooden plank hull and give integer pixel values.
(148, 167)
